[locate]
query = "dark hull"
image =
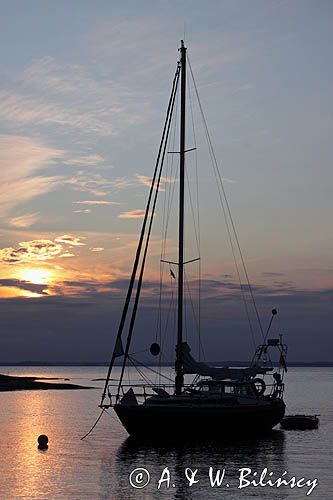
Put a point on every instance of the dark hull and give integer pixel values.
(218, 422)
(300, 422)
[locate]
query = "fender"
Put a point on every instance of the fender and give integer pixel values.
(259, 385)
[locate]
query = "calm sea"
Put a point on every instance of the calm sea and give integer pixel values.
(99, 467)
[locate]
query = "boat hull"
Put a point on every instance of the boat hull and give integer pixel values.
(300, 422)
(218, 422)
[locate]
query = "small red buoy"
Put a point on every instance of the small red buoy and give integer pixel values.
(42, 442)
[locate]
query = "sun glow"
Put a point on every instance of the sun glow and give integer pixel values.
(36, 276)
(7, 292)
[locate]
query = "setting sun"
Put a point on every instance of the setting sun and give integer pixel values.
(36, 276)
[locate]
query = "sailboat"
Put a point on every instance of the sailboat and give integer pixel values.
(218, 401)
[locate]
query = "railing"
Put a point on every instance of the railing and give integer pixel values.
(142, 392)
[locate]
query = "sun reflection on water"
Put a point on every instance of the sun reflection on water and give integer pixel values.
(37, 412)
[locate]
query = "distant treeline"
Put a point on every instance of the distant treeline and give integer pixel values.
(213, 363)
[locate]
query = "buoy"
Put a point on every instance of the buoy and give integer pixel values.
(42, 442)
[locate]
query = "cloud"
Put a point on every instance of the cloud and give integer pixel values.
(132, 39)
(69, 320)
(68, 239)
(21, 158)
(68, 95)
(133, 214)
(96, 184)
(20, 191)
(40, 250)
(85, 160)
(85, 211)
(144, 179)
(228, 181)
(26, 109)
(23, 285)
(30, 251)
(25, 220)
(97, 249)
(96, 202)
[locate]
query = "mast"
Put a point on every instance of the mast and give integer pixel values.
(178, 365)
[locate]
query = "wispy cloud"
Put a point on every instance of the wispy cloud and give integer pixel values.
(27, 109)
(144, 179)
(68, 239)
(85, 211)
(132, 214)
(21, 162)
(16, 284)
(97, 249)
(96, 184)
(133, 39)
(206, 59)
(23, 156)
(228, 181)
(25, 220)
(48, 92)
(96, 202)
(22, 190)
(85, 160)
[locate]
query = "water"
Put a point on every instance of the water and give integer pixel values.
(99, 467)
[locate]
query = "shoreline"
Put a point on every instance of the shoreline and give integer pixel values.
(14, 383)
(73, 364)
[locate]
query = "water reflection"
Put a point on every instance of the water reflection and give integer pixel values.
(24, 447)
(268, 451)
(98, 468)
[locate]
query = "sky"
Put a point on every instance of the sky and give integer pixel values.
(84, 89)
